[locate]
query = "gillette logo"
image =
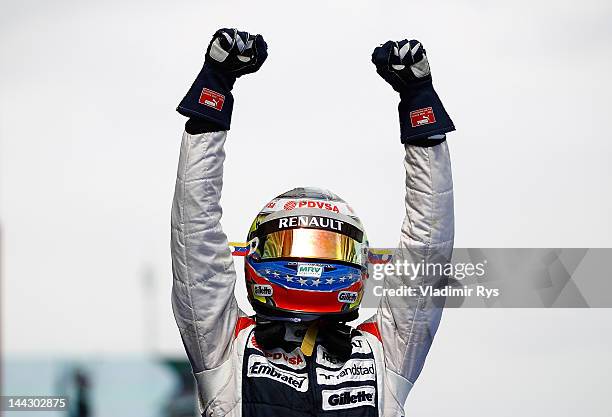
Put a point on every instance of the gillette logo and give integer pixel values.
(348, 398)
(348, 297)
(309, 270)
(263, 290)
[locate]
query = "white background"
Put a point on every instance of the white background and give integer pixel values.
(89, 144)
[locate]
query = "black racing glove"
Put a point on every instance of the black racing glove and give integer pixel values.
(404, 65)
(230, 54)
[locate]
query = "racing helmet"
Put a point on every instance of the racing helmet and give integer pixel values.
(307, 258)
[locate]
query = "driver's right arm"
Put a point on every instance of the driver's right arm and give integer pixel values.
(203, 300)
(204, 277)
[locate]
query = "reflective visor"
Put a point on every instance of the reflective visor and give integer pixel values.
(310, 243)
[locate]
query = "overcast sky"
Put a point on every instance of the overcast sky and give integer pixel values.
(89, 142)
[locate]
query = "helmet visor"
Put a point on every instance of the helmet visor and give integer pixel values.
(310, 243)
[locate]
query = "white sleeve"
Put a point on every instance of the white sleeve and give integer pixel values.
(203, 299)
(407, 325)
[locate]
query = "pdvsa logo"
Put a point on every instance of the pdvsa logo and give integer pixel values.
(309, 270)
(320, 205)
(294, 359)
(289, 205)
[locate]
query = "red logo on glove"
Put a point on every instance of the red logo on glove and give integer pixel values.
(422, 117)
(212, 99)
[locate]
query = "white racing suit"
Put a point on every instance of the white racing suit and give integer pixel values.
(235, 376)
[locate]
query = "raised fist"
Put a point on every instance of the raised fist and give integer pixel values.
(402, 63)
(422, 116)
(236, 52)
(230, 54)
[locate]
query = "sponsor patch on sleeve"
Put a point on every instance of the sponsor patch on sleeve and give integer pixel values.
(422, 117)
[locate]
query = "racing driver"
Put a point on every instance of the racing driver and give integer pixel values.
(306, 261)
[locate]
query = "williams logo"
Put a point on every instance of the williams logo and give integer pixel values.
(309, 270)
(258, 367)
(262, 290)
(348, 398)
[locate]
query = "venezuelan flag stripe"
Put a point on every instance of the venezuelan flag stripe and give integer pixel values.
(239, 248)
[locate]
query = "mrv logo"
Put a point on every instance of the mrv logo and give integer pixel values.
(258, 367)
(348, 398)
(262, 290)
(309, 270)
